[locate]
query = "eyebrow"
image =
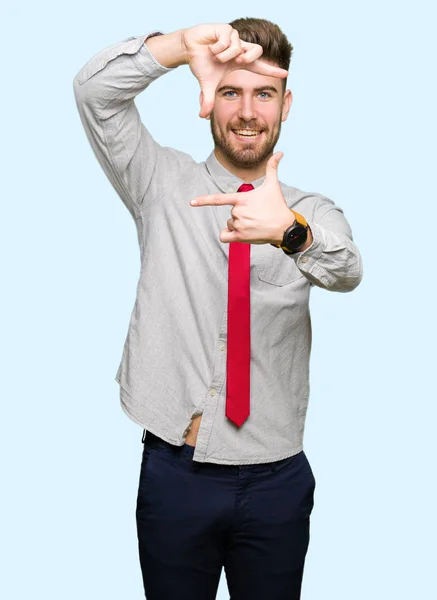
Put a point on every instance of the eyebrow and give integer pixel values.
(263, 88)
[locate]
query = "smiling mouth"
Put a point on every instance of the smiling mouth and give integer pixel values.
(247, 134)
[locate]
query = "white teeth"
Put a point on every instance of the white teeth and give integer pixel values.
(247, 132)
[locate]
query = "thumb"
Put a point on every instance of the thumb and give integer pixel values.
(207, 97)
(272, 166)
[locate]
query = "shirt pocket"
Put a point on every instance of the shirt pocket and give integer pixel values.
(278, 269)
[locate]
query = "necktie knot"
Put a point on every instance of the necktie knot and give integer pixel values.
(245, 187)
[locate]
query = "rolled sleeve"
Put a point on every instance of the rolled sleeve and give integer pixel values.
(332, 261)
(105, 90)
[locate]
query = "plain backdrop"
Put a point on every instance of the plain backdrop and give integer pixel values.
(362, 131)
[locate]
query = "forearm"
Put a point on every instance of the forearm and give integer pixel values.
(330, 259)
(331, 262)
(168, 49)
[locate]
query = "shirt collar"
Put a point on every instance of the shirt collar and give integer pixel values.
(225, 180)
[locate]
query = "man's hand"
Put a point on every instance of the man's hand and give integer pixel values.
(215, 50)
(258, 217)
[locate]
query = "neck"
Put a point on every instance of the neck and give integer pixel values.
(247, 174)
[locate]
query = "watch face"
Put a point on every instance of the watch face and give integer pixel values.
(296, 237)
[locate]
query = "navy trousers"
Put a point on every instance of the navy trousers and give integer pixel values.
(194, 519)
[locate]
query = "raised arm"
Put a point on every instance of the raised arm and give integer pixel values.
(106, 87)
(105, 90)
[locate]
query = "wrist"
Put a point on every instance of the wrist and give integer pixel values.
(169, 49)
(309, 240)
(289, 220)
(295, 219)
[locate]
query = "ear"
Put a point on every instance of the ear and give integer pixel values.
(286, 104)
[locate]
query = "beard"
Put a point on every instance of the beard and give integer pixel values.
(248, 155)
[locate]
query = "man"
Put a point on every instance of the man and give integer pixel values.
(215, 366)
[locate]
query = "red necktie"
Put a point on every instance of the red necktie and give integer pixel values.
(238, 355)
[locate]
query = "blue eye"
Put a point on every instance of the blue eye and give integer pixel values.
(267, 95)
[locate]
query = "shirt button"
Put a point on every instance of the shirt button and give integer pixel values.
(212, 392)
(222, 348)
(304, 259)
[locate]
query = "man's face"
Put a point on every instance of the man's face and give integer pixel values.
(254, 103)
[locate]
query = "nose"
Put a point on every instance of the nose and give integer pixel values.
(247, 110)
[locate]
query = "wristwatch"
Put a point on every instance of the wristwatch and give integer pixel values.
(295, 236)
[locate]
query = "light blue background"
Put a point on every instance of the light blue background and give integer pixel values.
(362, 130)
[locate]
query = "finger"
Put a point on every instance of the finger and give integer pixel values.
(243, 56)
(223, 40)
(240, 59)
(272, 166)
(214, 200)
(263, 68)
(227, 236)
(230, 224)
(250, 52)
(233, 50)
